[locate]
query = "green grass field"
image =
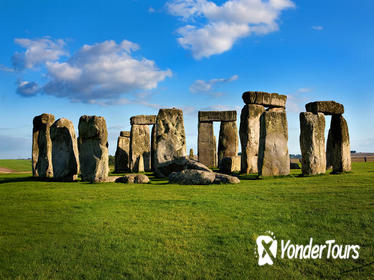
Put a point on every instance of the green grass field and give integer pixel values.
(19, 165)
(51, 230)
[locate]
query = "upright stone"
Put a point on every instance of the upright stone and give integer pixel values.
(122, 153)
(312, 143)
(206, 144)
(93, 149)
(250, 137)
(140, 148)
(338, 147)
(65, 156)
(228, 140)
(170, 138)
(42, 146)
(273, 157)
(153, 147)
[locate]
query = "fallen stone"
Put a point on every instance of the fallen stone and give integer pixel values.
(325, 107)
(65, 157)
(179, 164)
(122, 155)
(230, 165)
(228, 140)
(143, 120)
(170, 139)
(133, 179)
(114, 179)
(140, 148)
(192, 177)
(207, 151)
(250, 137)
(273, 155)
(225, 179)
(217, 116)
(93, 149)
(312, 143)
(42, 146)
(266, 99)
(338, 147)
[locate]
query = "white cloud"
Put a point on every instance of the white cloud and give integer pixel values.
(317, 27)
(37, 52)
(27, 89)
(100, 73)
(223, 24)
(201, 86)
(304, 90)
(5, 68)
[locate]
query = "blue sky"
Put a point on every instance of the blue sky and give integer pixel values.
(122, 58)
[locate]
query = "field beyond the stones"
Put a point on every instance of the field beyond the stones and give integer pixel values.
(51, 230)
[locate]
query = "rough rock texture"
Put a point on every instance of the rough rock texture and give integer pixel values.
(225, 179)
(250, 137)
(325, 107)
(206, 144)
(140, 148)
(42, 146)
(228, 140)
(170, 138)
(273, 154)
(230, 164)
(179, 164)
(65, 157)
(143, 119)
(338, 147)
(294, 165)
(153, 147)
(312, 143)
(122, 156)
(265, 99)
(114, 179)
(133, 179)
(200, 177)
(217, 116)
(93, 149)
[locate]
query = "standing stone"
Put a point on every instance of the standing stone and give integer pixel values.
(273, 157)
(170, 138)
(338, 147)
(140, 148)
(42, 146)
(230, 164)
(228, 140)
(93, 149)
(206, 144)
(312, 143)
(250, 137)
(122, 153)
(65, 156)
(153, 147)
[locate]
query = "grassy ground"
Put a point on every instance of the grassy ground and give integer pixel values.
(19, 165)
(52, 230)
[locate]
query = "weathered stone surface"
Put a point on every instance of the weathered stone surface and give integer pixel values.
(228, 140)
(65, 157)
(133, 179)
(42, 146)
(230, 164)
(294, 165)
(192, 177)
(217, 116)
(114, 179)
(225, 179)
(325, 107)
(143, 120)
(179, 164)
(312, 143)
(338, 145)
(170, 138)
(265, 99)
(153, 147)
(206, 144)
(250, 137)
(122, 156)
(140, 148)
(273, 154)
(93, 149)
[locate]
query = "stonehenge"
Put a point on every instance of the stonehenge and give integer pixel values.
(65, 158)
(93, 149)
(228, 137)
(42, 146)
(312, 140)
(122, 155)
(141, 143)
(264, 134)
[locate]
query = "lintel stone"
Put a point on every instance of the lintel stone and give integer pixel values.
(325, 107)
(143, 120)
(266, 99)
(217, 116)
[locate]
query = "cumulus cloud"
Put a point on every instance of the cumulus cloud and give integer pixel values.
(37, 52)
(201, 86)
(96, 74)
(213, 29)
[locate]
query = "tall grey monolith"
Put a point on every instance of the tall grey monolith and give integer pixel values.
(122, 154)
(140, 148)
(228, 140)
